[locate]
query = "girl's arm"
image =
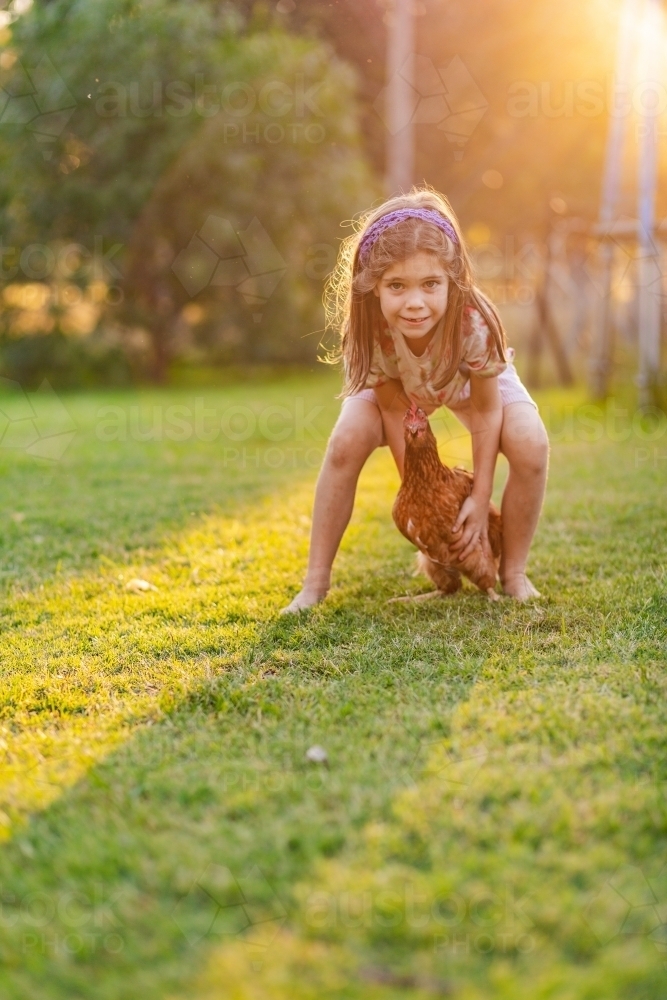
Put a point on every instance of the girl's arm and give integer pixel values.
(393, 404)
(486, 418)
(391, 396)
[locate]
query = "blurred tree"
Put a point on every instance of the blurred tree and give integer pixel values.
(203, 158)
(529, 82)
(357, 33)
(518, 121)
(542, 78)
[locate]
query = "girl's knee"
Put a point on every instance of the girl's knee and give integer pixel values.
(526, 445)
(521, 421)
(340, 450)
(350, 446)
(537, 460)
(541, 445)
(532, 460)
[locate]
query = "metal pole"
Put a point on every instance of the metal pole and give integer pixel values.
(648, 264)
(400, 55)
(601, 360)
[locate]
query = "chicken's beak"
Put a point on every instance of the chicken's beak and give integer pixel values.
(415, 420)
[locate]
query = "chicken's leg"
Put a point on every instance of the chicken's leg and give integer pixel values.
(417, 597)
(446, 578)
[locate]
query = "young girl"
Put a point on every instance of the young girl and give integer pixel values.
(415, 328)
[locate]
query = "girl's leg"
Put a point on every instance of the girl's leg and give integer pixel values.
(524, 443)
(357, 433)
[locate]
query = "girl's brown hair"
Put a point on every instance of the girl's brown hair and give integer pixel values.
(353, 310)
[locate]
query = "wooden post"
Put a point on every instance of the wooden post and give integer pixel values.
(546, 319)
(545, 326)
(648, 264)
(535, 343)
(601, 355)
(400, 55)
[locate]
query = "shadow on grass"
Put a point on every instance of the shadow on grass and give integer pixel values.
(142, 465)
(200, 825)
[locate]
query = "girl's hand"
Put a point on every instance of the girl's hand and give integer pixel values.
(470, 528)
(392, 396)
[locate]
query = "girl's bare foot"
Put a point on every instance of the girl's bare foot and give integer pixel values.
(518, 586)
(306, 598)
(315, 589)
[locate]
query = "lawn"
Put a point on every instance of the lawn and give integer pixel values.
(491, 819)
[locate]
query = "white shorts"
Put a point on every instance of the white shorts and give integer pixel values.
(512, 390)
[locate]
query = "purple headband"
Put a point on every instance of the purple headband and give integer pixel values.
(393, 218)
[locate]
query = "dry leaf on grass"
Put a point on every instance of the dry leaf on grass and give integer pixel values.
(317, 755)
(139, 586)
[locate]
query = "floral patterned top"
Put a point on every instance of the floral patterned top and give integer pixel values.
(392, 358)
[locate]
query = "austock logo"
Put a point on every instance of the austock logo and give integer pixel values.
(625, 235)
(36, 423)
(36, 97)
(67, 923)
(630, 904)
(220, 905)
(246, 260)
(446, 97)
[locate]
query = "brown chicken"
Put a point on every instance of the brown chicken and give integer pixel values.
(426, 509)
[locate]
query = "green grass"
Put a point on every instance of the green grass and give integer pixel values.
(492, 820)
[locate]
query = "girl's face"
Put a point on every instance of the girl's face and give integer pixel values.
(413, 296)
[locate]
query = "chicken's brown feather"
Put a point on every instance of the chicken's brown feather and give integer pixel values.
(427, 506)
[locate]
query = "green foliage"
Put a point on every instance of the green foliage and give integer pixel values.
(492, 821)
(178, 113)
(65, 362)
